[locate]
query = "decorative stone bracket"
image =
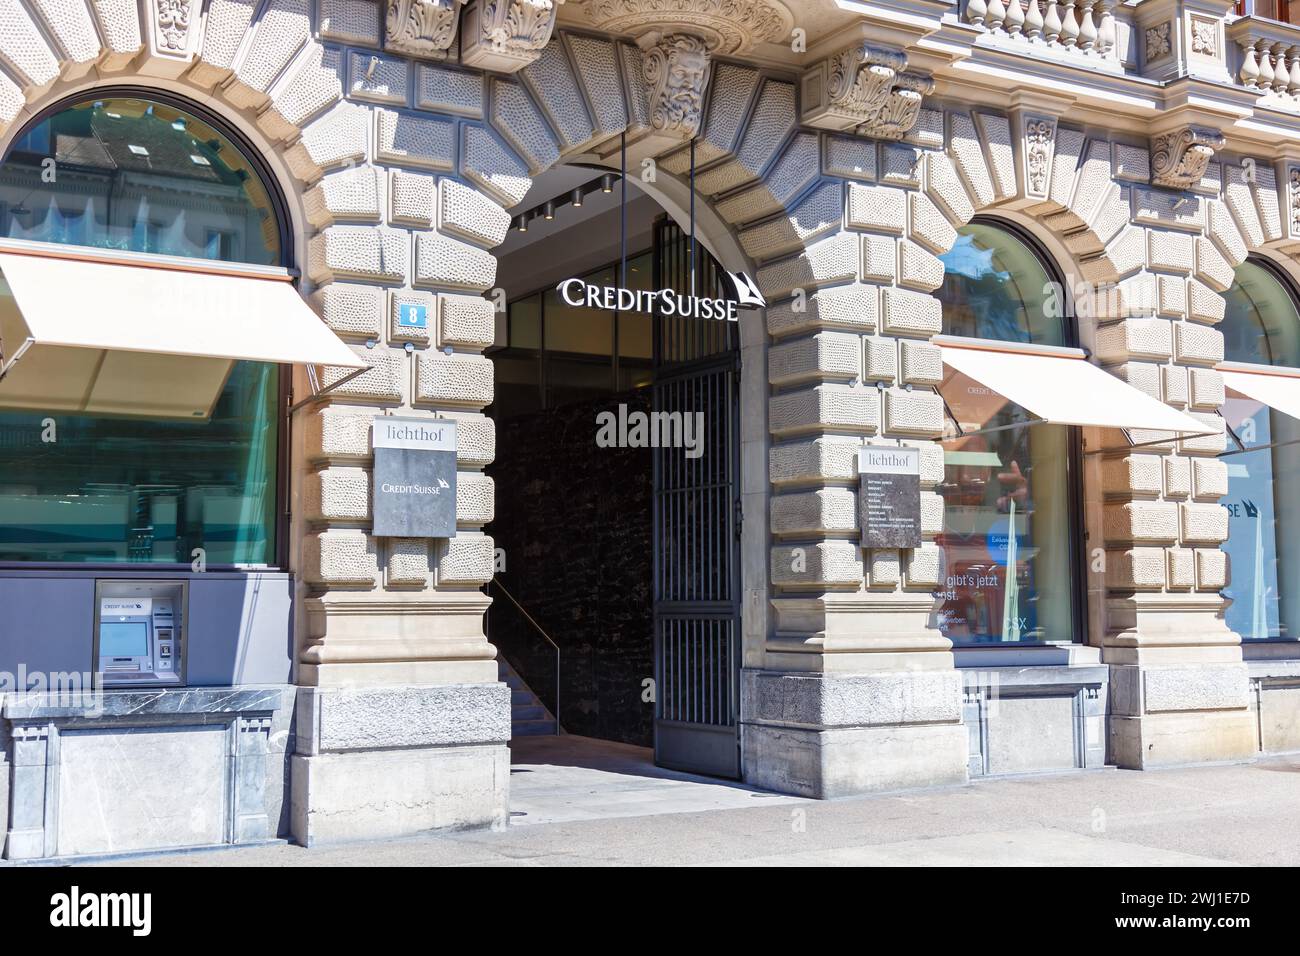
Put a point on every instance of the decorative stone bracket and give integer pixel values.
(1179, 157)
(864, 87)
(424, 28)
(506, 35)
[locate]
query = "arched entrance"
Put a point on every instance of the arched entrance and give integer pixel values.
(618, 430)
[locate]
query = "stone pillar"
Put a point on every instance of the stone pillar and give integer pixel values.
(857, 690)
(402, 726)
(1179, 689)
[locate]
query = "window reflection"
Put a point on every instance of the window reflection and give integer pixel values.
(1007, 536)
(139, 176)
(1261, 326)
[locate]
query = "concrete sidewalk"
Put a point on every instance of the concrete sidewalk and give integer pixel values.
(579, 802)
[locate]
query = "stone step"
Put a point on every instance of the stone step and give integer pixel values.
(522, 712)
(531, 728)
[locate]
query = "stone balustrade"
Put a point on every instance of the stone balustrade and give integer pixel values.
(1270, 59)
(1077, 27)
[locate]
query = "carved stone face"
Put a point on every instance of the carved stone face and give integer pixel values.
(687, 70)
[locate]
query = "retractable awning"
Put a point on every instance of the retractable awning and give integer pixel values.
(1059, 385)
(97, 332)
(1277, 388)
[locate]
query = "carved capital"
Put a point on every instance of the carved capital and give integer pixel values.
(1179, 157)
(424, 28)
(676, 69)
(507, 35)
(864, 86)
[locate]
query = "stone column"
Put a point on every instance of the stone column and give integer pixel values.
(1178, 684)
(857, 691)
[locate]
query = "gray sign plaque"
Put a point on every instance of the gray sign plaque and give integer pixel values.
(413, 489)
(889, 496)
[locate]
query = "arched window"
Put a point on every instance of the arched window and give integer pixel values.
(143, 174)
(1009, 487)
(1261, 326)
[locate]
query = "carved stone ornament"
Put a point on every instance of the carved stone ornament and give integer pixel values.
(424, 28)
(1040, 135)
(676, 71)
(901, 108)
(173, 20)
(1157, 45)
(864, 87)
(507, 35)
(727, 26)
(1293, 200)
(1179, 157)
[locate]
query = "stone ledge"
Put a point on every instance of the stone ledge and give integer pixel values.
(144, 702)
(860, 700)
(355, 719)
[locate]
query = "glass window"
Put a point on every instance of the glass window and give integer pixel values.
(1261, 326)
(137, 175)
(133, 174)
(1007, 538)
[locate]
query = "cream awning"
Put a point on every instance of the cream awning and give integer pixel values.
(1275, 387)
(84, 330)
(1060, 385)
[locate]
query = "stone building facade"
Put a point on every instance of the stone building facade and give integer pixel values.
(1149, 149)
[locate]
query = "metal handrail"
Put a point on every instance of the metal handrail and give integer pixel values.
(542, 631)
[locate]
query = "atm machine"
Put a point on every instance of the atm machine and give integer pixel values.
(140, 633)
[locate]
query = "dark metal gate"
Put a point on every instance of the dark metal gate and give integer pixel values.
(696, 523)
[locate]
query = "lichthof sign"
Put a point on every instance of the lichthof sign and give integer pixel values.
(889, 496)
(413, 489)
(666, 302)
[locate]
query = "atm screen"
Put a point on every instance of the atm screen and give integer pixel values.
(124, 639)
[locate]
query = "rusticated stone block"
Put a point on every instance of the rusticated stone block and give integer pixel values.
(824, 564)
(825, 408)
(475, 498)
(1136, 474)
(1211, 268)
(1204, 304)
(877, 208)
(443, 262)
(406, 140)
(814, 512)
(350, 21)
(927, 226)
(445, 90)
(884, 569)
(852, 307)
(518, 119)
(337, 493)
(879, 259)
(944, 186)
(1197, 344)
(488, 164)
(849, 158)
(817, 459)
(1209, 478)
(1136, 569)
(364, 252)
(817, 215)
(1178, 477)
(476, 439)
(464, 560)
(383, 382)
(1204, 522)
(880, 359)
(348, 195)
(924, 567)
(468, 321)
(1141, 521)
(835, 355)
(1173, 380)
(338, 558)
(825, 262)
(1207, 389)
(407, 562)
(468, 214)
(911, 313)
(1134, 338)
(1170, 251)
(1182, 569)
(379, 78)
(337, 138)
(351, 311)
(454, 379)
(1215, 439)
(1211, 569)
(412, 198)
(338, 431)
(913, 413)
(922, 363)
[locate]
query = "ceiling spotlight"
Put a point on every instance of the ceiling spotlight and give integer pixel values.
(548, 210)
(521, 223)
(577, 199)
(607, 183)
